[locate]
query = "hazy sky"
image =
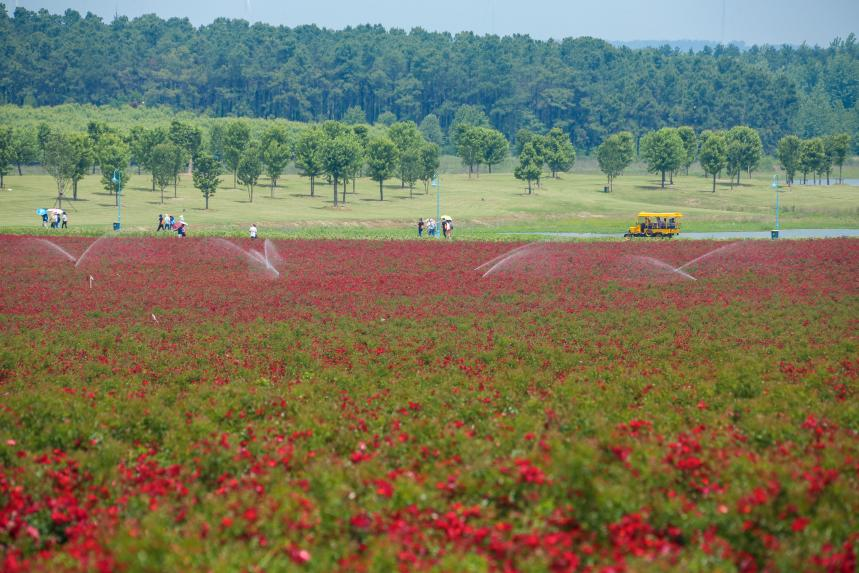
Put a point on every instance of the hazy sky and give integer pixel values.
(751, 21)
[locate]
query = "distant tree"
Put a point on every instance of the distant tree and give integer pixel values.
(383, 158)
(837, 148)
(60, 161)
(408, 139)
(386, 118)
(811, 156)
(84, 159)
(615, 154)
(338, 155)
(178, 161)
(558, 151)
(410, 167)
(354, 115)
(431, 129)
(7, 152)
(187, 136)
(744, 150)
(690, 144)
(713, 154)
(113, 154)
(206, 171)
(530, 165)
(275, 158)
(523, 137)
(163, 165)
(237, 135)
(95, 131)
(469, 115)
(308, 154)
(249, 169)
(495, 148)
(25, 145)
(469, 141)
(148, 140)
(429, 160)
(663, 151)
(788, 152)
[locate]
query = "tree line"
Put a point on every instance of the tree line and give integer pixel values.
(367, 74)
(341, 152)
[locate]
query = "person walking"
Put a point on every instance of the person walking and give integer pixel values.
(65, 220)
(45, 219)
(160, 222)
(421, 227)
(253, 231)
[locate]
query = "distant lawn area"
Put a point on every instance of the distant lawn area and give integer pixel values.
(483, 207)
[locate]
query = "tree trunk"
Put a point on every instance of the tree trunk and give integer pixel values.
(312, 178)
(344, 190)
(353, 185)
(335, 192)
(840, 180)
(529, 187)
(663, 179)
(671, 177)
(153, 184)
(714, 182)
(273, 182)
(207, 201)
(162, 195)
(489, 166)
(175, 186)
(19, 171)
(1, 180)
(74, 190)
(381, 191)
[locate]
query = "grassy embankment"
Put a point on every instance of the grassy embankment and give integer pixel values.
(484, 207)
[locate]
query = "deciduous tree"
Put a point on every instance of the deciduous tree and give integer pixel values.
(206, 171)
(615, 154)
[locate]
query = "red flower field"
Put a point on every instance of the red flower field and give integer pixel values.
(206, 405)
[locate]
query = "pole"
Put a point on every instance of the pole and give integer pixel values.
(438, 208)
(117, 179)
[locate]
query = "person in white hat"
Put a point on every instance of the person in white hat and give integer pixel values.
(253, 230)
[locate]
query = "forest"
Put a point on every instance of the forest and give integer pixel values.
(368, 74)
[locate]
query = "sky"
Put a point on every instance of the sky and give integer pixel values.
(750, 21)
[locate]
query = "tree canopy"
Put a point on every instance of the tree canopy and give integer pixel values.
(585, 86)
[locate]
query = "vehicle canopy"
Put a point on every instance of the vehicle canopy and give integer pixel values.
(663, 215)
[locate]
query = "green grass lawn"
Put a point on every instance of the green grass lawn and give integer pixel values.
(482, 207)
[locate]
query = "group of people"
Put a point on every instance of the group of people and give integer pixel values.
(432, 227)
(169, 223)
(57, 218)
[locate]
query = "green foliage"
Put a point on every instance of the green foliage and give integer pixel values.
(615, 154)
(186, 136)
(837, 147)
(469, 141)
(308, 153)
(354, 115)
(275, 157)
(60, 160)
(339, 153)
(663, 151)
(788, 152)
(429, 163)
(112, 154)
(249, 169)
(713, 154)
(25, 146)
(744, 150)
(206, 171)
(495, 148)
(162, 162)
(382, 161)
(557, 151)
(237, 135)
(7, 151)
(530, 165)
(690, 144)
(431, 129)
(811, 156)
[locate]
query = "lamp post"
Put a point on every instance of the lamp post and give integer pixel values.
(774, 185)
(437, 184)
(117, 181)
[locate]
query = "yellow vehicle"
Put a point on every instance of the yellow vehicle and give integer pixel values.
(655, 225)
